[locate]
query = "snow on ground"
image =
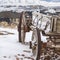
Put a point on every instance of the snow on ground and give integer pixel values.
(10, 48)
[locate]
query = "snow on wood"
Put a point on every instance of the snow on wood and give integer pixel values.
(28, 36)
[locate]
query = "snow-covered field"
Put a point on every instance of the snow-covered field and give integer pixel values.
(10, 48)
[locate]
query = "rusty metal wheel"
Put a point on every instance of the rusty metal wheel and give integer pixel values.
(36, 44)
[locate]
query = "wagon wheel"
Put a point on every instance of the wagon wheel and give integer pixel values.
(22, 36)
(22, 32)
(36, 44)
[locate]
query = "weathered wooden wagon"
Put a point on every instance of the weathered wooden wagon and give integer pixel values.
(38, 27)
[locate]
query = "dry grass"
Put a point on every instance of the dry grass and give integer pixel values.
(13, 25)
(6, 25)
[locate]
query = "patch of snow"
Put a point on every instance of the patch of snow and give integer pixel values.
(28, 36)
(9, 45)
(51, 11)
